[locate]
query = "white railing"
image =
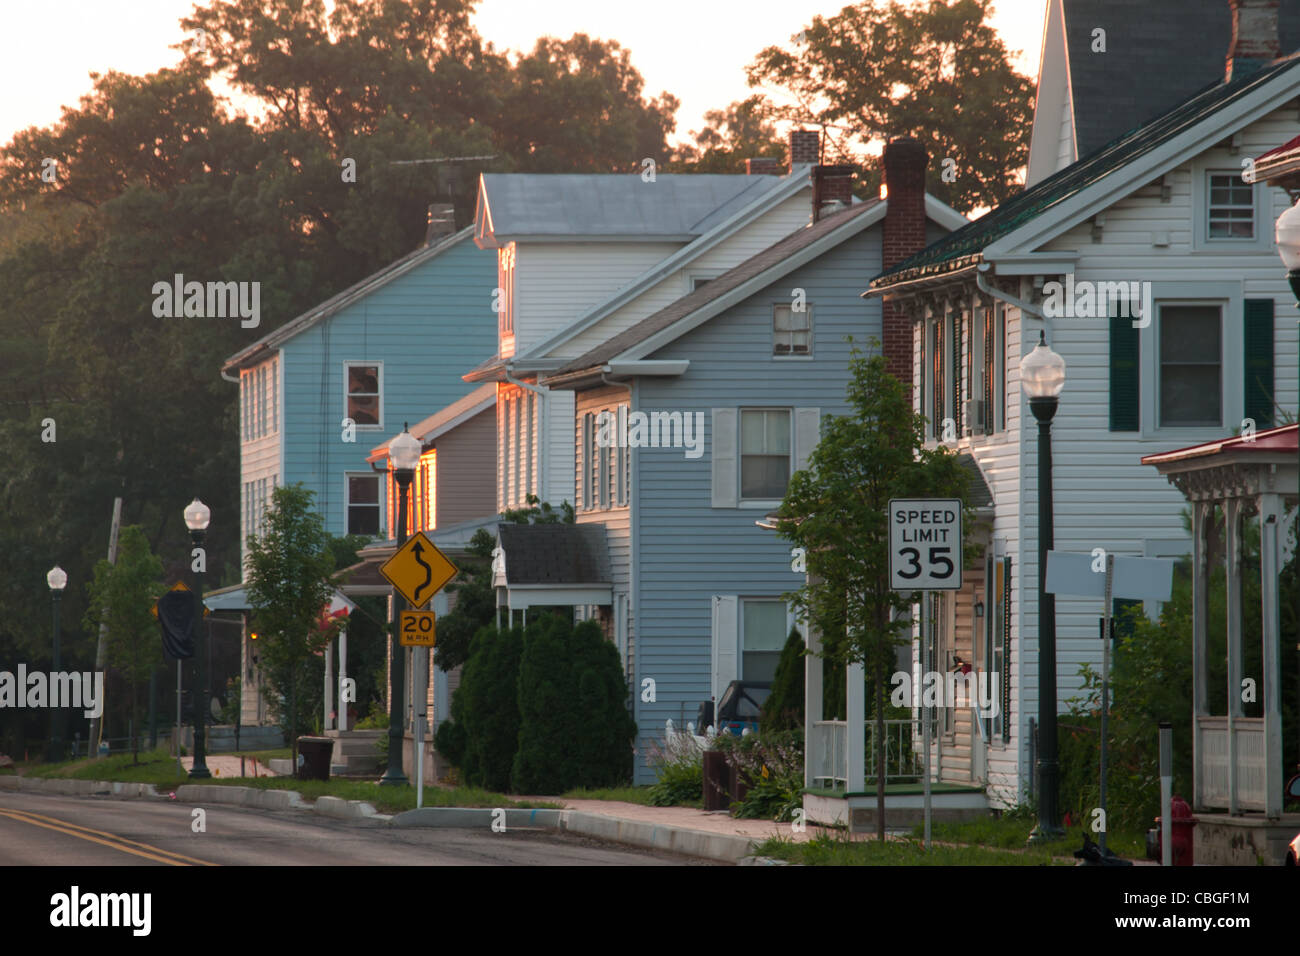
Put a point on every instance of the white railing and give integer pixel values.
(1215, 784)
(827, 749)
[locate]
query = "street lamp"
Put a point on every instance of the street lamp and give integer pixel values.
(197, 516)
(1042, 376)
(57, 579)
(404, 452)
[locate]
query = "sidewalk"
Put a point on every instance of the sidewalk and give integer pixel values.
(227, 765)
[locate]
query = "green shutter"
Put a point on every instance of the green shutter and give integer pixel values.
(957, 322)
(1259, 361)
(1125, 376)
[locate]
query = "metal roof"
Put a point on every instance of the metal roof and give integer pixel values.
(558, 554)
(574, 206)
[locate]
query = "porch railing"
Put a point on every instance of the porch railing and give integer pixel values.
(829, 747)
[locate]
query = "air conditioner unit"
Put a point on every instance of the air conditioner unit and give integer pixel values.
(975, 415)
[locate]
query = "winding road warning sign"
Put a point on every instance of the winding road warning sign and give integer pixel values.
(418, 570)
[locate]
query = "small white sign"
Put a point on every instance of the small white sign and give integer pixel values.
(925, 544)
(1079, 574)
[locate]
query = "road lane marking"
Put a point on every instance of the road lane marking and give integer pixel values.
(111, 840)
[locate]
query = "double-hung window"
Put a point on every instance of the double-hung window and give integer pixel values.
(763, 636)
(764, 453)
(1191, 366)
(363, 504)
(364, 385)
(1231, 207)
(791, 330)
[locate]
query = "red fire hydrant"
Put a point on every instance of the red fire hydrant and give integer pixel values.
(1181, 825)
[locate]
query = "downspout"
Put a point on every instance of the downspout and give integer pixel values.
(539, 433)
(233, 381)
(1006, 297)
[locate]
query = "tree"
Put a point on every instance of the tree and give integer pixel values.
(836, 509)
(486, 709)
(288, 581)
(880, 69)
(575, 729)
(120, 596)
(784, 707)
(730, 136)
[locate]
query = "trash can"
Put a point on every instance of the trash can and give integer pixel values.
(314, 754)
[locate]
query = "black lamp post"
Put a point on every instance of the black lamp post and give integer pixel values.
(57, 579)
(404, 452)
(197, 516)
(1042, 376)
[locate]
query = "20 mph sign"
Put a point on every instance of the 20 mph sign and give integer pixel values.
(925, 544)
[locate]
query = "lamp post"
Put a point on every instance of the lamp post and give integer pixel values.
(197, 516)
(1042, 376)
(57, 579)
(404, 452)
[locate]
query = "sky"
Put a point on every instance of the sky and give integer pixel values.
(695, 49)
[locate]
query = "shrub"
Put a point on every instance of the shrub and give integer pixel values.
(486, 706)
(771, 766)
(783, 709)
(575, 730)
(679, 768)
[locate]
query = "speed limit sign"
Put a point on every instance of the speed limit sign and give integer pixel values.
(925, 544)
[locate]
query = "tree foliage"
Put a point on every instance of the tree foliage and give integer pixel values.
(120, 597)
(837, 510)
(938, 72)
(288, 581)
(784, 707)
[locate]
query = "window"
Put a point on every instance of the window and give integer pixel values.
(364, 402)
(601, 477)
(363, 505)
(937, 407)
(764, 453)
(763, 636)
(275, 396)
(245, 386)
(1191, 366)
(1231, 209)
(791, 330)
(989, 372)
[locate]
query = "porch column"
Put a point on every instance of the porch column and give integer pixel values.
(814, 741)
(329, 685)
(343, 678)
(1200, 605)
(1270, 519)
(1232, 524)
(855, 734)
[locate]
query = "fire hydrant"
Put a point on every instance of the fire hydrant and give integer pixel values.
(1181, 825)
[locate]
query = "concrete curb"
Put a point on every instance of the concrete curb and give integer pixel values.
(474, 817)
(241, 796)
(344, 809)
(78, 788)
(729, 848)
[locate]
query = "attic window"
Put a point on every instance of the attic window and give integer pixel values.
(791, 330)
(1231, 207)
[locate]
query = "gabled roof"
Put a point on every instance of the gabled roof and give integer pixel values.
(457, 413)
(258, 351)
(576, 207)
(1177, 127)
(1158, 52)
(746, 278)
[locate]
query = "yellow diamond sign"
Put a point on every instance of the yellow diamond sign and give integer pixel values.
(418, 570)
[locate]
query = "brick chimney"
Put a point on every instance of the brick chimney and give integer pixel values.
(763, 166)
(805, 148)
(1254, 37)
(904, 234)
(832, 189)
(442, 222)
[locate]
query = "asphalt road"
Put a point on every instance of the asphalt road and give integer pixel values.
(51, 830)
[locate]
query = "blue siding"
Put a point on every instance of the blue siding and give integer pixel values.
(688, 551)
(428, 327)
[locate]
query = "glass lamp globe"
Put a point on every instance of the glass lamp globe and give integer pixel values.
(1288, 238)
(197, 515)
(1042, 371)
(57, 579)
(404, 451)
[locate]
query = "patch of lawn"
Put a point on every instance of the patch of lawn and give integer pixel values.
(639, 795)
(1011, 832)
(156, 766)
(834, 851)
